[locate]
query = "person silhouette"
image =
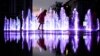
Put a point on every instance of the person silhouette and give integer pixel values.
(41, 22)
(41, 18)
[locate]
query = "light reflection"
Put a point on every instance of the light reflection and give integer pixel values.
(64, 39)
(51, 40)
(87, 39)
(54, 30)
(98, 37)
(75, 42)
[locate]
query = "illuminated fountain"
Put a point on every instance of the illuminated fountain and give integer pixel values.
(52, 22)
(51, 35)
(64, 22)
(55, 17)
(64, 25)
(49, 20)
(6, 23)
(75, 39)
(12, 27)
(88, 22)
(6, 27)
(34, 23)
(76, 19)
(17, 24)
(98, 28)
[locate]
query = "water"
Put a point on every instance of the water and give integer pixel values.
(54, 30)
(52, 38)
(88, 21)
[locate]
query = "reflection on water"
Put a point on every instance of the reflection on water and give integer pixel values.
(52, 38)
(56, 34)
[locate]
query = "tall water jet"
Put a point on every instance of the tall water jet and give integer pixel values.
(55, 17)
(28, 21)
(98, 25)
(34, 22)
(51, 20)
(17, 24)
(13, 24)
(75, 39)
(6, 23)
(29, 17)
(88, 26)
(75, 19)
(10, 22)
(64, 24)
(47, 20)
(23, 21)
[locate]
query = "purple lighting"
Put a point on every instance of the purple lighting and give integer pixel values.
(76, 19)
(87, 41)
(54, 30)
(88, 18)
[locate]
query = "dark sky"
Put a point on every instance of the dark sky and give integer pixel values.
(45, 3)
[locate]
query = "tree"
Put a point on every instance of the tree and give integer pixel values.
(56, 7)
